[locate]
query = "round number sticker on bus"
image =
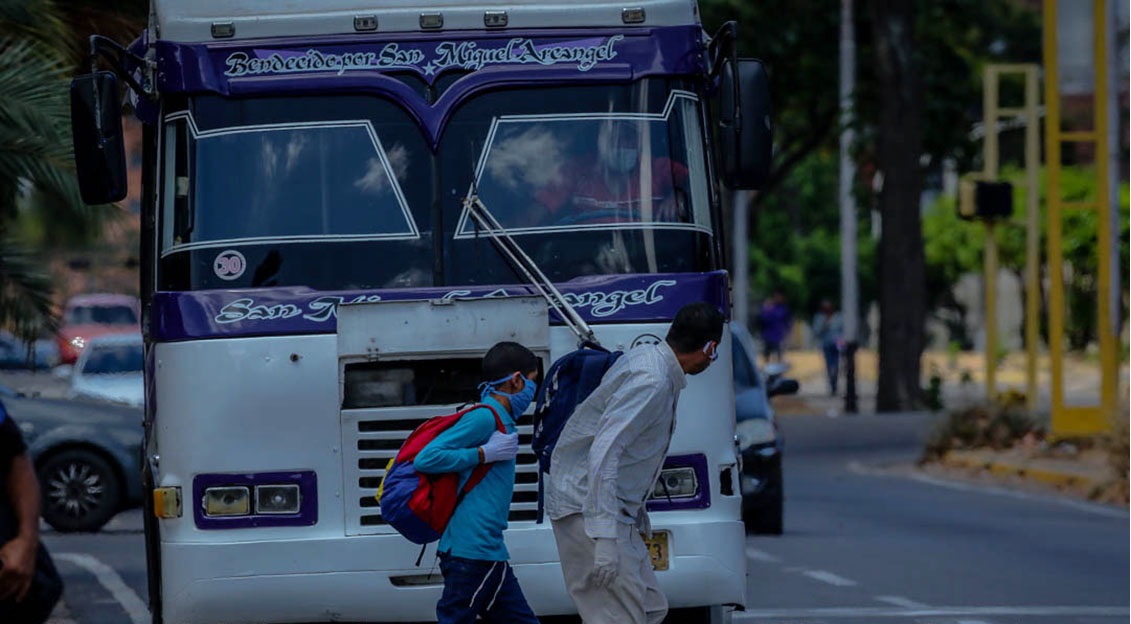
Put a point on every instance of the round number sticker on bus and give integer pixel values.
(229, 265)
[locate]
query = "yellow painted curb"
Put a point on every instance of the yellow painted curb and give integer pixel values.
(961, 459)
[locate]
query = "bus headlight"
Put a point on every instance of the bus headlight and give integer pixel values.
(255, 500)
(676, 483)
(226, 501)
(277, 499)
(684, 483)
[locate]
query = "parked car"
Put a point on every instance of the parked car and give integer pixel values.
(14, 353)
(87, 316)
(757, 435)
(110, 368)
(86, 455)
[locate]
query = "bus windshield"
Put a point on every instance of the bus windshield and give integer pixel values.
(347, 193)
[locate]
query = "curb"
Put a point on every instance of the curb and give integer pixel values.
(1058, 478)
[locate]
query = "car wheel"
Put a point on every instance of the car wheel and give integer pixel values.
(81, 492)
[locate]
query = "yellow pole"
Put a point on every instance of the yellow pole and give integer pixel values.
(1083, 419)
(1052, 204)
(990, 259)
(989, 173)
(1032, 235)
(1108, 362)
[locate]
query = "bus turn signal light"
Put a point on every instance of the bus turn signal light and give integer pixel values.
(167, 502)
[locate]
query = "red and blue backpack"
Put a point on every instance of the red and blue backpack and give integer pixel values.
(419, 506)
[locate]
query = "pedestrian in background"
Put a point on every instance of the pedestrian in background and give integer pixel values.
(29, 584)
(606, 462)
(774, 322)
(828, 330)
(479, 583)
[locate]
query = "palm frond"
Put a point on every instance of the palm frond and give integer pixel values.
(40, 160)
(36, 20)
(33, 93)
(26, 289)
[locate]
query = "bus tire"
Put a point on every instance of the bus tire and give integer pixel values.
(715, 614)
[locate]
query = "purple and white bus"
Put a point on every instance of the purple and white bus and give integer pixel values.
(313, 286)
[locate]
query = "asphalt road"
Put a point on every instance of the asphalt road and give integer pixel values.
(868, 540)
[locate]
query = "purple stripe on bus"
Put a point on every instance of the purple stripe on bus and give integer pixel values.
(203, 314)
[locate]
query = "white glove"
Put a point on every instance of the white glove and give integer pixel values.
(606, 562)
(643, 523)
(500, 447)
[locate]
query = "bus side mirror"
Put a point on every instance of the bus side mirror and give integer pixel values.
(96, 128)
(745, 128)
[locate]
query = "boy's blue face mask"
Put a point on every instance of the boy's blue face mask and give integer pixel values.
(519, 400)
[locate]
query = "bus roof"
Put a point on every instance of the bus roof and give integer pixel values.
(193, 20)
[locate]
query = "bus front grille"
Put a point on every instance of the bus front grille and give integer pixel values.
(371, 437)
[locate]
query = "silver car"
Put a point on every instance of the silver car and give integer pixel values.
(110, 368)
(757, 435)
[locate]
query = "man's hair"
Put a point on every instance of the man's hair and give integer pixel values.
(695, 325)
(508, 357)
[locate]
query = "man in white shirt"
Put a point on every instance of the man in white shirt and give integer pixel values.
(606, 462)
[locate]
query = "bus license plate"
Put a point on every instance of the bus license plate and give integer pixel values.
(658, 549)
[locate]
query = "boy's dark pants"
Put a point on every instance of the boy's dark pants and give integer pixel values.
(474, 588)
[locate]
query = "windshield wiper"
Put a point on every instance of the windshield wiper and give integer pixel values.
(526, 266)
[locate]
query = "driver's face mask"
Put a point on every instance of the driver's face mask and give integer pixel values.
(623, 159)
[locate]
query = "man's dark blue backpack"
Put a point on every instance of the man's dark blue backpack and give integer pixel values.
(569, 381)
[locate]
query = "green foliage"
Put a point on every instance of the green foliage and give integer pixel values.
(36, 165)
(955, 39)
(954, 246)
(797, 39)
(795, 221)
(796, 239)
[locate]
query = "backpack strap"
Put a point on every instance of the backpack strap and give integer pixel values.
(479, 472)
(541, 497)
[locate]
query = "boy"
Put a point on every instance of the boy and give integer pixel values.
(478, 581)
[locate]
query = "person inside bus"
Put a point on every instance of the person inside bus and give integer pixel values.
(478, 580)
(606, 186)
(606, 463)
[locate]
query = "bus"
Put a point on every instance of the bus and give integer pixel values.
(314, 285)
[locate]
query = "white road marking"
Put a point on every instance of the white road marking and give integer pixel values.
(61, 614)
(900, 601)
(1093, 508)
(108, 578)
(760, 555)
(828, 577)
(885, 612)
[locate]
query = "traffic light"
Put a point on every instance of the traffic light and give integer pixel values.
(984, 200)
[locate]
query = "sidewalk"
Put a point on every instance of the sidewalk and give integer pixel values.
(1083, 473)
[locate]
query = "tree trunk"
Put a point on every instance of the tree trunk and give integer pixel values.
(902, 267)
